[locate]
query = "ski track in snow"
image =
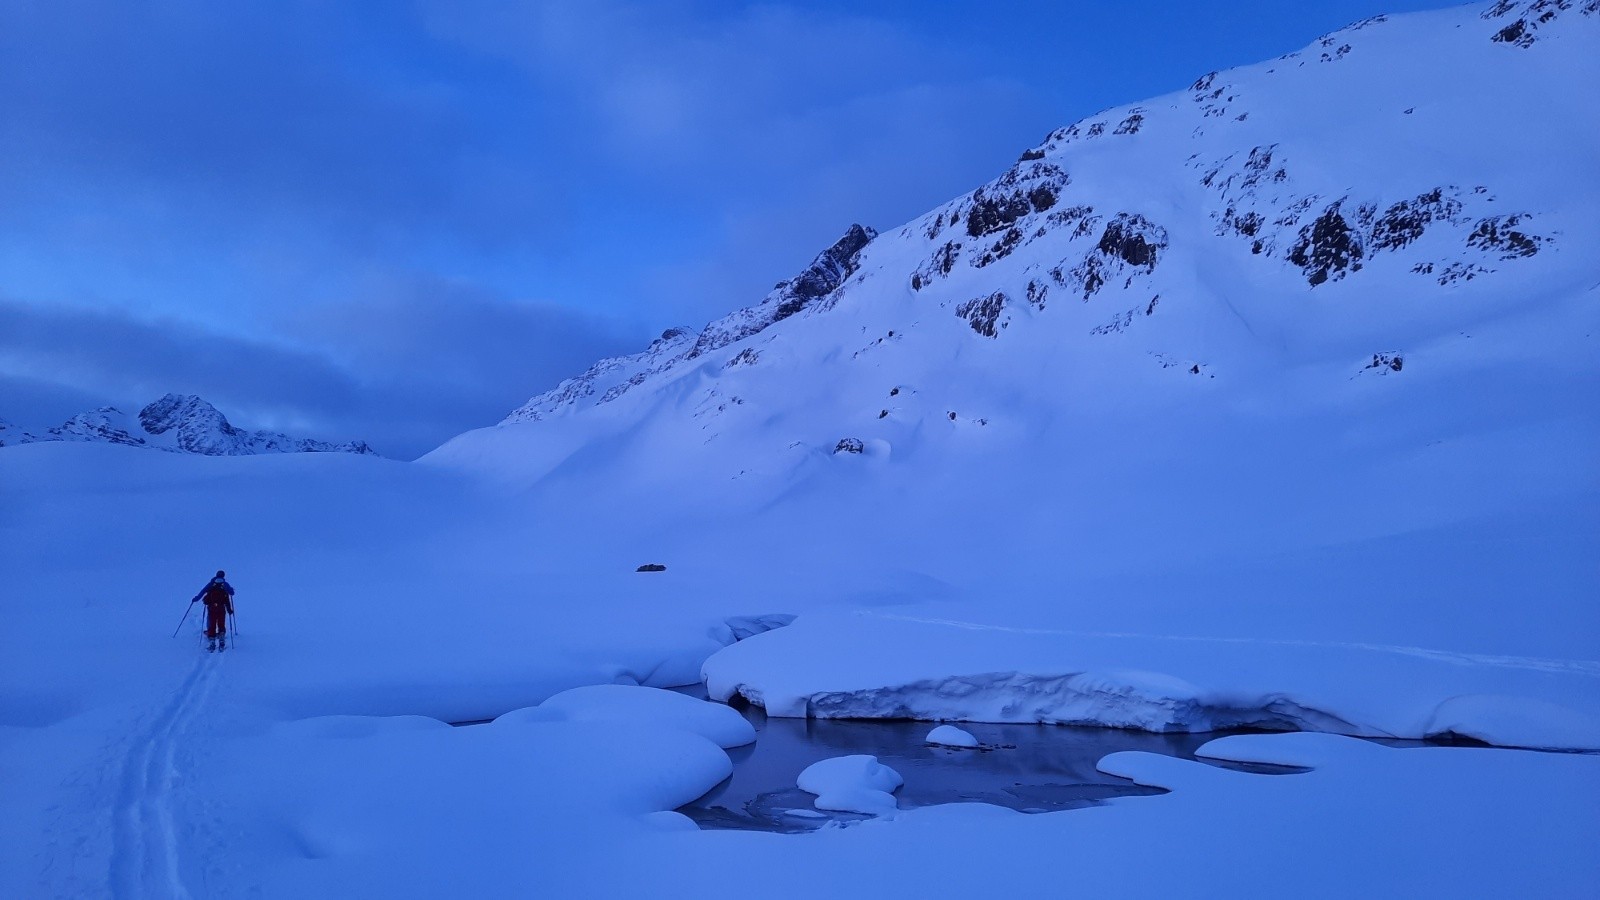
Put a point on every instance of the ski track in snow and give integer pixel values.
(144, 855)
(1535, 663)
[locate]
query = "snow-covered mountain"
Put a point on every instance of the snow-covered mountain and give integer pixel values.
(1347, 212)
(1307, 350)
(181, 423)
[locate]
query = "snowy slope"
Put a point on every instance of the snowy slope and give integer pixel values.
(177, 422)
(1332, 212)
(1331, 243)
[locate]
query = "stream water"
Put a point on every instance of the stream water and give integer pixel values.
(1030, 768)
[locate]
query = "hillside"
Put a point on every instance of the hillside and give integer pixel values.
(1304, 352)
(1343, 226)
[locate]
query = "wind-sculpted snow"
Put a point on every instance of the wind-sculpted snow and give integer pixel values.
(741, 627)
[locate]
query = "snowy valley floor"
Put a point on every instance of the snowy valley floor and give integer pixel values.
(200, 796)
(379, 601)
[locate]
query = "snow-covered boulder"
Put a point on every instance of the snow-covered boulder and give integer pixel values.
(951, 736)
(858, 784)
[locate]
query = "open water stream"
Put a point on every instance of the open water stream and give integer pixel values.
(1030, 768)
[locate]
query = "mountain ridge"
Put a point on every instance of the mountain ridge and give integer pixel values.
(178, 423)
(1210, 232)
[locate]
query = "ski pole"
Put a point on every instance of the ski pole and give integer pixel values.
(184, 619)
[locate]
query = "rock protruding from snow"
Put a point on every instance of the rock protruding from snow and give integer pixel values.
(1532, 15)
(951, 736)
(610, 379)
(180, 423)
(858, 784)
(788, 298)
(11, 434)
(106, 424)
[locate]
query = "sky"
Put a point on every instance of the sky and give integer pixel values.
(397, 222)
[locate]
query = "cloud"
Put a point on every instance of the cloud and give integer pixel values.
(749, 136)
(492, 352)
(316, 215)
(209, 107)
(405, 374)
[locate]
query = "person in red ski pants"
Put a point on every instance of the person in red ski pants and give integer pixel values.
(218, 597)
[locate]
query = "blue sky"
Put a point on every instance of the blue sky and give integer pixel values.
(398, 221)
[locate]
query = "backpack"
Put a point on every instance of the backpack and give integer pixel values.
(216, 592)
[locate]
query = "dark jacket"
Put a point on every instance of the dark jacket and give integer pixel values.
(216, 592)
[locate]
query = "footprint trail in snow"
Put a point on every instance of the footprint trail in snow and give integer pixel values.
(144, 857)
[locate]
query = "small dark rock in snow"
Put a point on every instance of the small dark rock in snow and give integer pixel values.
(1497, 235)
(1391, 361)
(651, 567)
(850, 445)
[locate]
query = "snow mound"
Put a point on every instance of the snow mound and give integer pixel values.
(858, 784)
(951, 736)
(623, 703)
(1514, 722)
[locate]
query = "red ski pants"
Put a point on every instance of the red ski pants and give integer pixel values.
(216, 621)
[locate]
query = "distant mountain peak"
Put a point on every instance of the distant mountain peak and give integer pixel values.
(181, 423)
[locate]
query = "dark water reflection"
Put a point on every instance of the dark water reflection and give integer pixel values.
(1029, 768)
